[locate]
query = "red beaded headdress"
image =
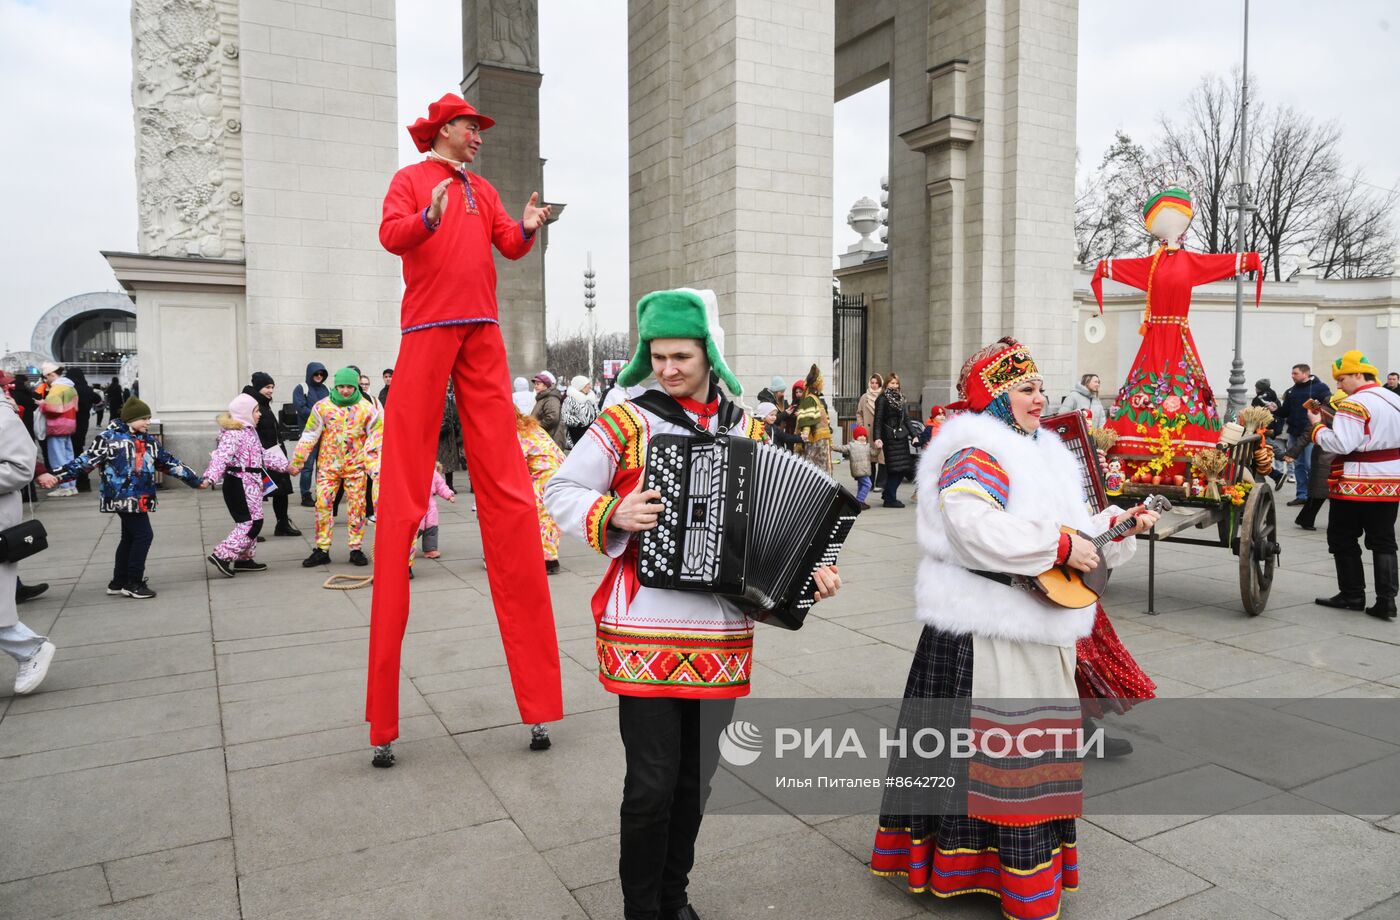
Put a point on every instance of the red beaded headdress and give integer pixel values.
(993, 371)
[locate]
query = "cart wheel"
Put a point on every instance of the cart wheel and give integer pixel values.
(1259, 549)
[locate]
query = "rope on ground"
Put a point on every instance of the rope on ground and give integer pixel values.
(348, 582)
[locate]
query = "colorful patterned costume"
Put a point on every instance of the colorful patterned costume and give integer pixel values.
(814, 422)
(1167, 386)
(676, 659)
(1364, 436)
(1364, 486)
(348, 437)
(543, 457)
(239, 460)
(991, 499)
(1108, 677)
(651, 642)
(129, 462)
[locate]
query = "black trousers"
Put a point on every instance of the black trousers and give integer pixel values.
(671, 759)
(1348, 521)
(280, 497)
(892, 481)
(1308, 516)
(135, 543)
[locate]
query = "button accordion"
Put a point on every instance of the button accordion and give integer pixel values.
(745, 520)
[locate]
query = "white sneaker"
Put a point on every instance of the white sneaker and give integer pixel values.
(33, 669)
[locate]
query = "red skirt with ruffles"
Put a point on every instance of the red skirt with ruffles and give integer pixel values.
(1108, 678)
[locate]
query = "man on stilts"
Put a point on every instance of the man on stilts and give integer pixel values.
(443, 221)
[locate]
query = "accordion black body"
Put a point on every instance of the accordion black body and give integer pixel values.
(743, 519)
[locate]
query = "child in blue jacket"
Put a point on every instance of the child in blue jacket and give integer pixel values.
(129, 457)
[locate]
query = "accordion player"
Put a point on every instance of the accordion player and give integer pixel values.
(743, 519)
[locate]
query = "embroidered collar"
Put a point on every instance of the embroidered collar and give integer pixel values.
(703, 412)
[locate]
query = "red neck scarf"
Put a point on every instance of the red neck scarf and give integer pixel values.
(703, 411)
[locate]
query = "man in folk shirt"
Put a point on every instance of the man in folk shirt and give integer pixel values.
(1365, 491)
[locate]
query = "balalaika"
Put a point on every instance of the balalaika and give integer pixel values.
(743, 519)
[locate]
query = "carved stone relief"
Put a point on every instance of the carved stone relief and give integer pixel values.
(185, 132)
(510, 33)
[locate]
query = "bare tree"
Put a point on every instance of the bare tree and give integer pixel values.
(1298, 164)
(567, 352)
(1304, 198)
(1355, 235)
(1108, 201)
(1200, 150)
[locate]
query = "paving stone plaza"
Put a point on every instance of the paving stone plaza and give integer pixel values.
(202, 755)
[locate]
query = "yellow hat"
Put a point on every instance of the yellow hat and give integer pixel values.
(1353, 362)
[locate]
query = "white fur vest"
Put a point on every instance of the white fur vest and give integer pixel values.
(1045, 486)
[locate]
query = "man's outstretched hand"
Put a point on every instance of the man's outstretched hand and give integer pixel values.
(535, 216)
(439, 202)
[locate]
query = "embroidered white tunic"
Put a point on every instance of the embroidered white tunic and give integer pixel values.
(1367, 421)
(992, 499)
(650, 641)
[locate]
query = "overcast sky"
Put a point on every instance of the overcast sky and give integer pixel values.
(67, 183)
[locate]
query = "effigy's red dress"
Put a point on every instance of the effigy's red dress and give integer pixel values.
(1167, 380)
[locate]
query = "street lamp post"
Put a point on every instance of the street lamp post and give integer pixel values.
(589, 302)
(1243, 208)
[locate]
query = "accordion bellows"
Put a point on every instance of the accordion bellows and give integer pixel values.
(745, 520)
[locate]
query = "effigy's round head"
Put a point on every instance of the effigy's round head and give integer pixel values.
(1168, 213)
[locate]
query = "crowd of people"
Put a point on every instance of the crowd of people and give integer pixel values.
(326, 445)
(995, 497)
(58, 407)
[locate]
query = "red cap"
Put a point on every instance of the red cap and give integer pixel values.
(859, 432)
(450, 106)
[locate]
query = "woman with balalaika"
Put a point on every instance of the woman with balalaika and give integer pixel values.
(994, 495)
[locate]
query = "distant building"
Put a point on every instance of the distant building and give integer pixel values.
(95, 331)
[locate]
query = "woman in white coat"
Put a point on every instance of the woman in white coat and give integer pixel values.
(993, 494)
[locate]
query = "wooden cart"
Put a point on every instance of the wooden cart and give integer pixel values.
(1250, 531)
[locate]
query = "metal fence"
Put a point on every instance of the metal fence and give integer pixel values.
(848, 369)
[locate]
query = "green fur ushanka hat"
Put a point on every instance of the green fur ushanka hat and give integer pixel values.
(684, 313)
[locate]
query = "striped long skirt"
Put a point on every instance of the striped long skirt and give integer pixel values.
(1026, 866)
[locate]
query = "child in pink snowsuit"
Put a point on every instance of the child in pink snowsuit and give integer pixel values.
(428, 527)
(240, 460)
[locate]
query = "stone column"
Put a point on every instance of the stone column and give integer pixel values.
(998, 144)
(190, 304)
(501, 58)
(944, 143)
(320, 143)
(730, 160)
(266, 136)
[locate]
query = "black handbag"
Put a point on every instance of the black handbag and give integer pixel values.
(22, 541)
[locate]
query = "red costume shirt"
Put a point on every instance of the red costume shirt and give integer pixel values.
(448, 272)
(1167, 383)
